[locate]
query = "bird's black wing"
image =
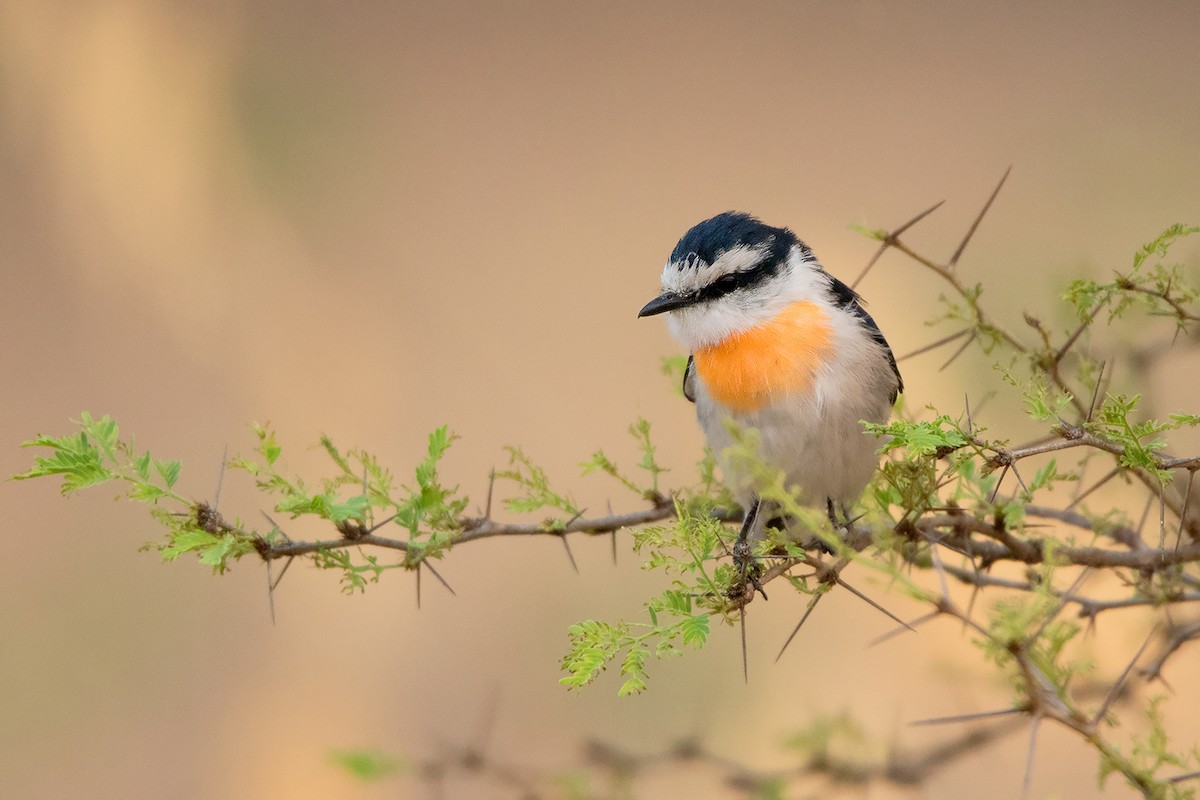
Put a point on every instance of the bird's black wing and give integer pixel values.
(848, 299)
(689, 379)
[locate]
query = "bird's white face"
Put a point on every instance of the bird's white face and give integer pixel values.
(709, 322)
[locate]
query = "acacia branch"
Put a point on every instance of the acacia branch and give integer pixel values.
(473, 530)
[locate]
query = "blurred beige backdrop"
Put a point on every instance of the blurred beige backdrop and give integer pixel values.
(372, 219)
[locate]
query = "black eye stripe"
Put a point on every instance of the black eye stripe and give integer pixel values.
(734, 281)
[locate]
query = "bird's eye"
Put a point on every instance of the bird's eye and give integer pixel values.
(727, 283)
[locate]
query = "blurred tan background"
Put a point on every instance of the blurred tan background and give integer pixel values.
(372, 219)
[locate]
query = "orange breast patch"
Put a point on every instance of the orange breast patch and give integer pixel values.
(776, 358)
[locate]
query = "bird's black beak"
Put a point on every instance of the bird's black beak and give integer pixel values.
(667, 301)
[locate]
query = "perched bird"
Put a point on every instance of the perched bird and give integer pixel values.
(779, 345)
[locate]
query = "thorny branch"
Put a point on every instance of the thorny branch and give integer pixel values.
(611, 765)
(1005, 542)
(1151, 576)
(830, 755)
(989, 541)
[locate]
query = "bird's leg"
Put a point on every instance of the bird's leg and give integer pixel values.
(749, 520)
(831, 512)
(833, 520)
(743, 556)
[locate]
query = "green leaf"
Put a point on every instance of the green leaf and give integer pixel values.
(367, 765)
(879, 234)
(1162, 243)
(142, 466)
(430, 502)
(919, 438)
(1046, 477)
(536, 485)
(74, 457)
(674, 368)
(226, 547)
(169, 471)
(147, 493)
(600, 462)
(633, 668)
(1161, 289)
(188, 541)
(336, 456)
(354, 508)
(268, 447)
(439, 442)
(695, 630)
(104, 431)
(640, 430)
(593, 645)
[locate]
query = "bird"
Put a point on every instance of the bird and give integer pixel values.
(779, 345)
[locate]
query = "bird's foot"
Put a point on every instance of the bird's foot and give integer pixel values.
(748, 567)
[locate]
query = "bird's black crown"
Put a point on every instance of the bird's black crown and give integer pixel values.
(707, 240)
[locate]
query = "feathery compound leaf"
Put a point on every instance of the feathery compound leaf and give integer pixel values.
(593, 645)
(934, 436)
(439, 442)
(325, 506)
(695, 630)
(188, 541)
(633, 668)
(214, 550)
(336, 456)
(268, 447)
(104, 432)
(141, 466)
(1162, 243)
(1140, 440)
(96, 455)
(147, 492)
(1163, 289)
(168, 471)
(429, 501)
(640, 431)
(537, 492)
(355, 575)
(74, 457)
(599, 462)
(1045, 478)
